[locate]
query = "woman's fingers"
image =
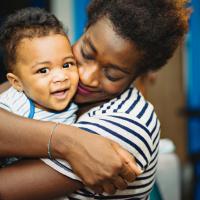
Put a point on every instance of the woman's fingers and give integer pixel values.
(127, 173)
(98, 189)
(128, 159)
(109, 187)
(120, 183)
(132, 165)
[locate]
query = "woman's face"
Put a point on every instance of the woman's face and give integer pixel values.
(105, 62)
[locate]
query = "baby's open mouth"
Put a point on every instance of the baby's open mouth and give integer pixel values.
(60, 94)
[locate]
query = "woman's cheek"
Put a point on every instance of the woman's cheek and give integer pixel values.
(76, 51)
(113, 88)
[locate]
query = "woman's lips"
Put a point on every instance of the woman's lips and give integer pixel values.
(83, 91)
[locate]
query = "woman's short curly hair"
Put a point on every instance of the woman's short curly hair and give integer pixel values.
(26, 23)
(156, 27)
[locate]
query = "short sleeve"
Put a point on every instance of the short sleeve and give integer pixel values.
(4, 102)
(14, 101)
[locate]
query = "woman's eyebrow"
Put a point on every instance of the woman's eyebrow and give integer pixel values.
(91, 45)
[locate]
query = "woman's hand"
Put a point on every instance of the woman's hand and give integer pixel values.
(101, 163)
(130, 170)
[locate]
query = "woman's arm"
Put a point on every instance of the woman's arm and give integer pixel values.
(23, 137)
(92, 157)
(32, 180)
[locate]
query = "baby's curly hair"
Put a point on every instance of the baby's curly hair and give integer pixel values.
(156, 27)
(28, 22)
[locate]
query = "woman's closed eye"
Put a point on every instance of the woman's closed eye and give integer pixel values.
(111, 77)
(86, 55)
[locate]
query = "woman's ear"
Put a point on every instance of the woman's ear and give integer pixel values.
(15, 81)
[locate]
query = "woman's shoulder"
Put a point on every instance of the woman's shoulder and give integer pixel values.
(130, 102)
(130, 105)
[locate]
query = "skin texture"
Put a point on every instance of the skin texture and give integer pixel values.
(92, 149)
(48, 73)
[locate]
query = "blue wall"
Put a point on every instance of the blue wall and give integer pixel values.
(193, 77)
(193, 91)
(80, 17)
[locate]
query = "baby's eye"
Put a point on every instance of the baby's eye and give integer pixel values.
(43, 70)
(69, 64)
(66, 65)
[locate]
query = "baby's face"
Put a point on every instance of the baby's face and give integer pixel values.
(47, 71)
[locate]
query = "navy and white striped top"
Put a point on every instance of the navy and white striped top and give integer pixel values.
(131, 121)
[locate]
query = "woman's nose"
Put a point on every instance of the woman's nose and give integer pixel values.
(89, 75)
(58, 75)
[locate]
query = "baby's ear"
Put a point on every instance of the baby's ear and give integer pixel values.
(15, 81)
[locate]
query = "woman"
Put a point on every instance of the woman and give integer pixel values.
(122, 41)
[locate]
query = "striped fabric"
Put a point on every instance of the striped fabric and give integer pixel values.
(16, 102)
(131, 121)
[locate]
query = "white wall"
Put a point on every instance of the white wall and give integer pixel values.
(63, 9)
